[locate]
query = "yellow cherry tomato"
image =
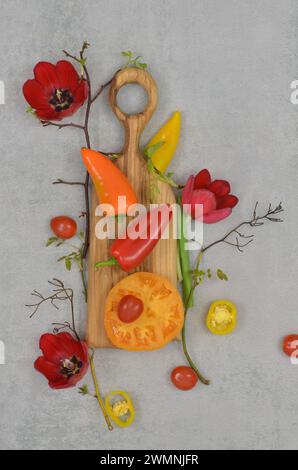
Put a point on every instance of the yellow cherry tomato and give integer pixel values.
(120, 408)
(169, 135)
(222, 317)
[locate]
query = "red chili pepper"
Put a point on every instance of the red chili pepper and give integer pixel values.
(129, 252)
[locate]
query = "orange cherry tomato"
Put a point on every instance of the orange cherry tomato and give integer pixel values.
(64, 227)
(161, 319)
(184, 377)
(290, 345)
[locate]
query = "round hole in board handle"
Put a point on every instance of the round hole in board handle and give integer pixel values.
(132, 98)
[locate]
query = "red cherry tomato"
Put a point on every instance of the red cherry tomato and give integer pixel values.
(130, 308)
(64, 227)
(290, 344)
(184, 377)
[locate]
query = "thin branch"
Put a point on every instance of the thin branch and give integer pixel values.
(102, 87)
(238, 245)
(59, 293)
(87, 214)
(70, 183)
(71, 56)
(61, 126)
(97, 393)
(256, 221)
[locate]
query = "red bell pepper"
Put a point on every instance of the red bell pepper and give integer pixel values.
(128, 252)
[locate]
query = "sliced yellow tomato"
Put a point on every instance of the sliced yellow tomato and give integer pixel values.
(222, 317)
(161, 319)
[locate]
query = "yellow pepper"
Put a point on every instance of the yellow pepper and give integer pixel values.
(121, 411)
(169, 135)
(222, 317)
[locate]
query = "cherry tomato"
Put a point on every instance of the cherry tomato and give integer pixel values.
(290, 344)
(184, 377)
(64, 227)
(130, 308)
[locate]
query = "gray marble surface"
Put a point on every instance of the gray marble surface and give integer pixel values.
(227, 65)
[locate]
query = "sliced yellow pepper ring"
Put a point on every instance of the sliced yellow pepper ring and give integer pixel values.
(222, 317)
(120, 408)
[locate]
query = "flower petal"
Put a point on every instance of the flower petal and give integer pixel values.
(67, 75)
(217, 215)
(81, 93)
(51, 348)
(220, 187)
(68, 382)
(48, 369)
(61, 384)
(61, 346)
(45, 73)
(69, 343)
(227, 201)
(55, 347)
(202, 179)
(49, 115)
(188, 191)
(34, 94)
(204, 197)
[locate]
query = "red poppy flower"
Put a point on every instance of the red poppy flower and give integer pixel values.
(64, 361)
(213, 195)
(56, 92)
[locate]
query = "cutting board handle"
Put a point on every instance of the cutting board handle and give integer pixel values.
(133, 123)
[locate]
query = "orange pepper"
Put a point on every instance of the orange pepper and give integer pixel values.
(110, 183)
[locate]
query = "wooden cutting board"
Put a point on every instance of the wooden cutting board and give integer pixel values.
(164, 256)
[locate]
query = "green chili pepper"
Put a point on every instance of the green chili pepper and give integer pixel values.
(185, 261)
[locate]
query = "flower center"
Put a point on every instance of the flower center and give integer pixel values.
(70, 367)
(61, 99)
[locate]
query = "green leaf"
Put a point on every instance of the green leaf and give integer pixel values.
(126, 53)
(142, 65)
(68, 264)
(221, 275)
(84, 390)
(149, 151)
(51, 240)
(133, 61)
(30, 110)
(82, 235)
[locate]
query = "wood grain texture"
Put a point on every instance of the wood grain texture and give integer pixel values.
(163, 258)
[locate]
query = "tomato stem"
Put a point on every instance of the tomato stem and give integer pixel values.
(184, 346)
(97, 393)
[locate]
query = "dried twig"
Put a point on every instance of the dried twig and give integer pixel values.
(71, 183)
(256, 221)
(60, 293)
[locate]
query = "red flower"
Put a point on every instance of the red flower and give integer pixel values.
(214, 195)
(64, 361)
(56, 92)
